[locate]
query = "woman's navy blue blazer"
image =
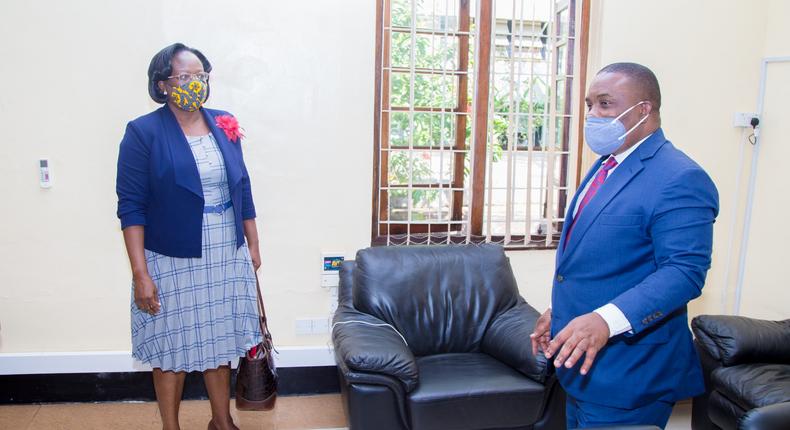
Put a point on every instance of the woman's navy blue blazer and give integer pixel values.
(158, 184)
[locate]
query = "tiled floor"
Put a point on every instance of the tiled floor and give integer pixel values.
(308, 412)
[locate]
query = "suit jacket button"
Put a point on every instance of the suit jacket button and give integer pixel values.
(560, 278)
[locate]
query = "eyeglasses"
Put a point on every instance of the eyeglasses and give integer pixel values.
(187, 77)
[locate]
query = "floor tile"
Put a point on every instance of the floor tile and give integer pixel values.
(115, 416)
(17, 416)
(310, 412)
(323, 412)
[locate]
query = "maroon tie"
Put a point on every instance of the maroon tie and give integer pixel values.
(594, 186)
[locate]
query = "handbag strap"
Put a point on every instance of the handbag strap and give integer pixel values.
(261, 309)
(267, 336)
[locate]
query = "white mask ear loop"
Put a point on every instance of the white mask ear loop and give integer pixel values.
(635, 125)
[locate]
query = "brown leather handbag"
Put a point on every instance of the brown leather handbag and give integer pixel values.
(256, 379)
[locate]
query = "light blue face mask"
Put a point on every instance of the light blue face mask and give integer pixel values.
(604, 135)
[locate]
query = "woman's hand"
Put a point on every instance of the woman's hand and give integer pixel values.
(251, 234)
(145, 295)
(255, 254)
(144, 288)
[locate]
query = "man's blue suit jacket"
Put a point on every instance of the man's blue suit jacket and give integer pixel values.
(643, 243)
(158, 184)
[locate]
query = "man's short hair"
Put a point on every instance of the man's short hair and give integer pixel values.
(643, 76)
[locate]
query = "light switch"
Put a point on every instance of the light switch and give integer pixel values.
(44, 173)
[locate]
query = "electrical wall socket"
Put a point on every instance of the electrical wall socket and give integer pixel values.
(320, 325)
(308, 326)
(304, 326)
(743, 119)
(329, 280)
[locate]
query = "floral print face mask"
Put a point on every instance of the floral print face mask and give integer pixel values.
(189, 96)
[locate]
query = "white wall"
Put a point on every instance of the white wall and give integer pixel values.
(299, 76)
(707, 56)
(765, 285)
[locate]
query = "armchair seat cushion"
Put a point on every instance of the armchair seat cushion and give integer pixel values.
(753, 385)
(472, 391)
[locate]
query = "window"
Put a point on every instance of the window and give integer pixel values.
(474, 121)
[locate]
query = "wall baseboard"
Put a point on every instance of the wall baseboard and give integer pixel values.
(138, 386)
(34, 363)
(105, 376)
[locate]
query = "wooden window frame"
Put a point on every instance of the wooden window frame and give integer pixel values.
(381, 126)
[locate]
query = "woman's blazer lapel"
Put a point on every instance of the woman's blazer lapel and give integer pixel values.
(232, 164)
(184, 166)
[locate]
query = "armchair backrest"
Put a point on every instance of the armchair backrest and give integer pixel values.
(440, 298)
(733, 340)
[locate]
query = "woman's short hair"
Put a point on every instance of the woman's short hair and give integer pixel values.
(162, 66)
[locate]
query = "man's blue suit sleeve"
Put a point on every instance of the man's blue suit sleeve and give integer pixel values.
(682, 232)
(131, 183)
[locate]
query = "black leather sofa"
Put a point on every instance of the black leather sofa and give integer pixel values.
(464, 360)
(746, 364)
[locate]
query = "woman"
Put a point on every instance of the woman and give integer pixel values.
(185, 207)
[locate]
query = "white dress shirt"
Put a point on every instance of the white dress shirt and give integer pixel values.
(610, 313)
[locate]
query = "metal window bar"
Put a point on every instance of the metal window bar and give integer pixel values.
(384, 36)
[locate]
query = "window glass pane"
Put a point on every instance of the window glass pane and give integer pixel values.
(434, 129)
(560, 170)
(399, 129)
(435, 91)
(400, 88)
(431, 205)
(498, 209)
(430, 91)
(563, 22)
(436, 52)
(402, 166)
(421, 204)
(398, 205)
(540, 169)
(561, 138)
(521, 170)
(541, 132)
(424, 167)
(400, 49)
(400, 11)
(437, 15)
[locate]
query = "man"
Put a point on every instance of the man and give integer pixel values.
(635, 249)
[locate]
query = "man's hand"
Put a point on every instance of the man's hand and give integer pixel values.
(541, 336)
(584, 335)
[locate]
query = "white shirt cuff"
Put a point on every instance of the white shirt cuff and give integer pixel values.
(614, 318)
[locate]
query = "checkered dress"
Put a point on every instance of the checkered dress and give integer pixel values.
(209, 314)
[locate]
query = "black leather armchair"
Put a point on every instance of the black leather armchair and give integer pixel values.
(746, 364)
(437, 337)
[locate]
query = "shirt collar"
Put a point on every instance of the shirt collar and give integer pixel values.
(623, 155)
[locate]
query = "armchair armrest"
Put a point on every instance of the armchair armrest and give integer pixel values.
(737, 340)
(771, 417)
(364, 343)
(507, 340)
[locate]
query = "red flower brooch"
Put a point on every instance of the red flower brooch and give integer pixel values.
(230, 126)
